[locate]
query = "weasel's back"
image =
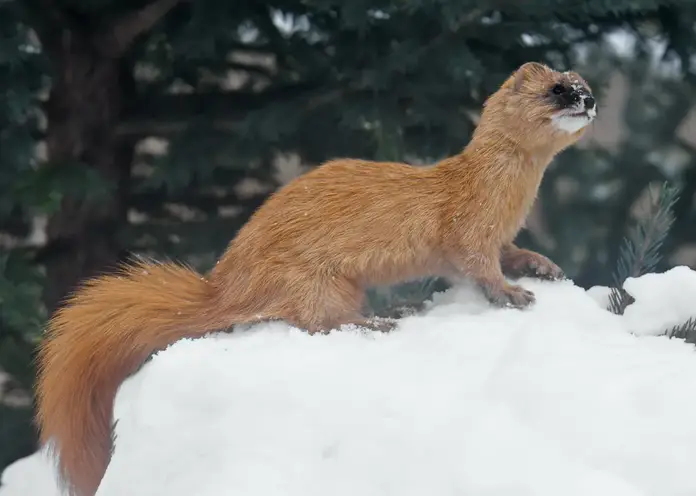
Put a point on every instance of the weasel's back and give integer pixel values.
(347, 214)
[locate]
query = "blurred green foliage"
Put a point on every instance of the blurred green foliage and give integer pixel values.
(21, 314)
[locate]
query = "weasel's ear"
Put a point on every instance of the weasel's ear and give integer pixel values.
(525, 72)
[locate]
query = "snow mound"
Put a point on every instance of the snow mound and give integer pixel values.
(464, 399)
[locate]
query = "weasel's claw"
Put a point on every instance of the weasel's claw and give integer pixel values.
(510, 296)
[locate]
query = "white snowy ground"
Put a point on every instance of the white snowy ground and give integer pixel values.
(563, 399)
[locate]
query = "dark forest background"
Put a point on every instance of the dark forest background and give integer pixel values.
(157, 128)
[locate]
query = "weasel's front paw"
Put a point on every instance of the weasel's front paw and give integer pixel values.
(509, 295)
(524, 263)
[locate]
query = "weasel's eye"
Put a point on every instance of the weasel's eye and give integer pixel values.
(558, 89)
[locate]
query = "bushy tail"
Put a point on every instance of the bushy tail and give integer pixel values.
(106, 330)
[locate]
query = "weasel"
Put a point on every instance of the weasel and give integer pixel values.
(308, 253)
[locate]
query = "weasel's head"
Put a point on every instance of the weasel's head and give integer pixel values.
(540, 104)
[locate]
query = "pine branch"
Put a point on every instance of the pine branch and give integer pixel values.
(48, 19)
(263, 18)
(458, 25)
(129, 27)
(685, 331)
(640, 251)
(173, 113)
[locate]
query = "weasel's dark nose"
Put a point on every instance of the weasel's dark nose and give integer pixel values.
(589, 102)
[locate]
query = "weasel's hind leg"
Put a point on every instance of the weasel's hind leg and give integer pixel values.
(328, 305)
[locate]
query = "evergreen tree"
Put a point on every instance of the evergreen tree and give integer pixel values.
(20, 283)
(233, 85)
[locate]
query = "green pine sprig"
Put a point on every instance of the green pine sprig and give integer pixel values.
(640, 252)
(685, 331)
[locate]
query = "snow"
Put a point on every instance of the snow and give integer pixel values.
(653, 312)
(463, 399)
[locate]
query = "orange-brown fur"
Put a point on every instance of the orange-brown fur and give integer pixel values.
(306, 256)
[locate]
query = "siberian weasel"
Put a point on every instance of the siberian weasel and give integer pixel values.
(309, 252)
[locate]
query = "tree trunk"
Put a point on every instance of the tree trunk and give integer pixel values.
(89, 96)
